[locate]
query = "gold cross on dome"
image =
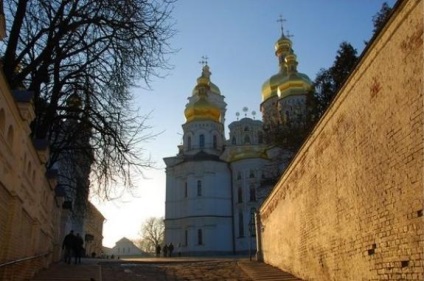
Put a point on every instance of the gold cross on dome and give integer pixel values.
(204, 61)
(281, 20)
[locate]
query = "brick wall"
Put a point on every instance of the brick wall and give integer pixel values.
(27, 206)
(350, 206)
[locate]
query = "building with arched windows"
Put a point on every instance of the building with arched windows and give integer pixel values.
(214, 185)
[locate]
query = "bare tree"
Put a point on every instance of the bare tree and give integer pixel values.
(80, 58)
(145, 245)
(152, 233)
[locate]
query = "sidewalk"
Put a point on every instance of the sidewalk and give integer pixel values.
(170, 269)
(89, 270)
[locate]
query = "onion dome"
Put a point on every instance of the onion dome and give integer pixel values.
(283, 47)
(204, 79)
(287, 78)
(270, 87)
(202, 109)
(294, 82)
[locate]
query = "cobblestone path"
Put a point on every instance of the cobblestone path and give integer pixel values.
(184, 271)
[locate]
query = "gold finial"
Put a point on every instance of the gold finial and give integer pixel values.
(281, 20)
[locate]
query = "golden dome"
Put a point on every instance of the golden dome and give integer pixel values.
(288, 81)
(270, 87)
(213, 88)
(294, 84)
(283, 45)
(285, 84)
(202, 109)
(204, 79)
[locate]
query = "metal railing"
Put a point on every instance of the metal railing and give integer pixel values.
(24, 259)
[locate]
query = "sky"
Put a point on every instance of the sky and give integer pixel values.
(238, 37)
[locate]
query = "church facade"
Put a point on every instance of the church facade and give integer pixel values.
(215, 185)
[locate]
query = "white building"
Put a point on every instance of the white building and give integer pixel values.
(124, 248)
(214, 185)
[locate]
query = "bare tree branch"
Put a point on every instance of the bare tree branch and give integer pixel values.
(80, 58)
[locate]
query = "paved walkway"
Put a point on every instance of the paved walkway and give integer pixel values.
(164, 269)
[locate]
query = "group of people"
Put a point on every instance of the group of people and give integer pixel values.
(73, 245)
(167, 250)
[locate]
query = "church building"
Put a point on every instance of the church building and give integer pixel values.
(214, 185)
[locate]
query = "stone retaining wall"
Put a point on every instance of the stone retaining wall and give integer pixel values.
(350, 206)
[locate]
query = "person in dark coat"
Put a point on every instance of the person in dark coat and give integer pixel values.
(158, 250)
(165, 250)
(78, 248)
(67, 245)
(170, 249)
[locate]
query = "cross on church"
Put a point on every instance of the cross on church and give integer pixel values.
(281, 20)
(288, 35)
(204, 60)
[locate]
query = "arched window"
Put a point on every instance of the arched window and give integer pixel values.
(199, 237)
(199, 188)
(239, 195)
(2, 120)
(251, 174)
(185, 190)
(186, 237)
(241, 224)
(202, 141)
(246, 129)
(252, 194)
(189, 143)
(246, 139)
(233, 140)
(238, 175)
(215, 142)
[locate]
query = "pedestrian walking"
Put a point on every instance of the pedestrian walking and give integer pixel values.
(165, 250)
(170, 249)
(67, 246)
(78, 248)
(158, 250)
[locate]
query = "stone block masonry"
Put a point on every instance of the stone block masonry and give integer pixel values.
(28, 205)
(350, 205)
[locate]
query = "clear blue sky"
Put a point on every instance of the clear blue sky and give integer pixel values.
(238, 37)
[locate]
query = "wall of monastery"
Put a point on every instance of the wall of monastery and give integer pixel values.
(93, 226)
(29, 211)
(350, 206)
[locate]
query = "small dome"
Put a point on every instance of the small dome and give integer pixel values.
(204, 79)
(288, 81)
(212, 88)
(202, 109)
(283, 42)
(283, 45)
